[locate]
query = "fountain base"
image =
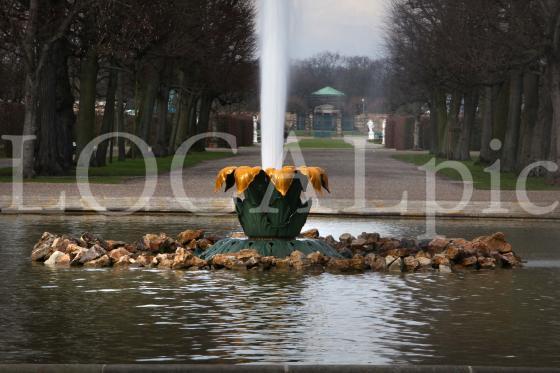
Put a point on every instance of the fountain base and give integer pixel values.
(276, 247)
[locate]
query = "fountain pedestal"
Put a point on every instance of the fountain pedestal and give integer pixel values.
(272, 213)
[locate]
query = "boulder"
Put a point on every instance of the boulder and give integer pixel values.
(124, 261)
(358, 263)
(358, 243)
(203, 243)
(164, 260)
(88, 239)
(62, 243)
(346, 238)
(486, 263)
(187, 236)
(393, 264)
(444, 269)
(346, 253)
(113, 245)
(330, 241)
(440, 259)
(510, 260)
(185, 259)
(42, 249)
(410, 264)
(370, 238)
(423, 254)
(424, 262)
(339, 265)
(116, 254)
(452, 252)
(375, 262)
(229, 261)
(103, 261)
(317, 258)
(86, 255)
(144, 260)
(157, 243)
(438, 244)
(299, 261)
(267, 262)
(469, 261)
(311, 233)
(496, 242)
(58, 258)
(282, 263)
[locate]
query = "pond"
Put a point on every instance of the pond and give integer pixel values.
(71, 315)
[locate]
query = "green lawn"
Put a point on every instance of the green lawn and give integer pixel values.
(321, 143)
(119, 171)
(480, 179)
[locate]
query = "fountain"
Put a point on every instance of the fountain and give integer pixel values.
(272, 213)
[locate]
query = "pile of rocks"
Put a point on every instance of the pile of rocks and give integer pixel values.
(368, 251)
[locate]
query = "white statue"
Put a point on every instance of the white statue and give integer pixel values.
(371, 134)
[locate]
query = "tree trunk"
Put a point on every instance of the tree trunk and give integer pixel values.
(202, 125)
(452, 132)
(541, 139)
(119, 124)
(509, 153)
(462, 151)
(56, 115)
(184, 120)
(162, 132)
(149, 87)
(555, 130)
(500, 115)
(85, 129)
(486, 133)
(108, 117)
(528, 119)
(439, 120)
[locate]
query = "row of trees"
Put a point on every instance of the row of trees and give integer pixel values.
(358, 77)
(67, 56)
(497, 61)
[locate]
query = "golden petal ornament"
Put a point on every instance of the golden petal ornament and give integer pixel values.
(223, 176)
(282, 179)
(244, 176)
(317, 176)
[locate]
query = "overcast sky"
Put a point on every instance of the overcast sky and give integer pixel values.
(350, 27)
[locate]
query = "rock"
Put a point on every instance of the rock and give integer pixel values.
(440, 259)
(410, 264)
(452, 252)
(423, 254)
(252, 262)
(346, 253)
(339, 265)
(42, 249)
(408, 243)
(311, 233)
(267, 262)
(370, 238)
(346, 238)
(299, 261)
(103, 261)
(330, 241)
(247, 254)
(113, 245)
(395, 265)
(497, 242)
(424, 262)
(89, 239)
(185, 259)
(238, 235)
(61, 243)
(73, 250)
(317, 258)
(144, 260)
(203, 243)
(58, 258)
(228, 261)
(187, 236)
(358, 263)
(469, 261)
(124, 261)
(487, 263)
(510, 260)
(193, 245)
(444, 269)
(282, 263)
(389, 246)
(358, 243)
(375, 262)
(438, 244)
(157, 243)
(116, 254)
(212, 238)
(86, 255)
(164, 260)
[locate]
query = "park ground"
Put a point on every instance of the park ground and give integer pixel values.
(389, 175)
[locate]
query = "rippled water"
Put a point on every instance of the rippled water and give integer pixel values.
(118, 316)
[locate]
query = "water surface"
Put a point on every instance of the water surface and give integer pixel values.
(122, 316)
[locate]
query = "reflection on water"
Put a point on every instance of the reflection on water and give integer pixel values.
(120, 316)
